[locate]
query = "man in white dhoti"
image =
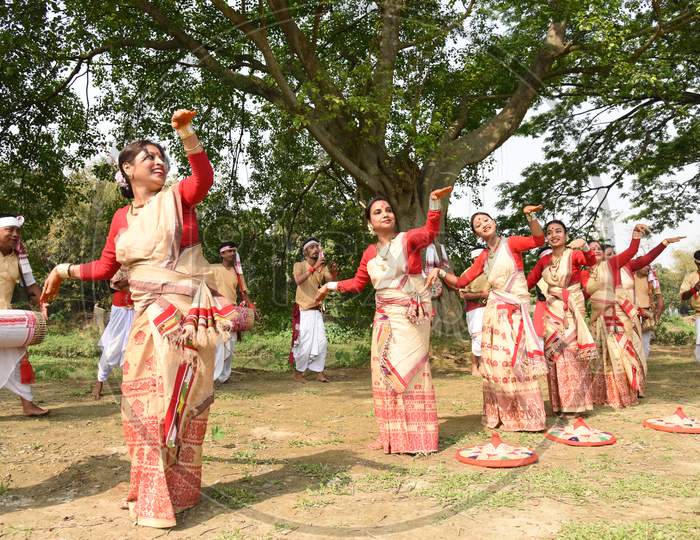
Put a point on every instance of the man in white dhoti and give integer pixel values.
(116, 335)
(310, 345)
(690, 292)
(475, 295)
(229, 281)
(16, 374)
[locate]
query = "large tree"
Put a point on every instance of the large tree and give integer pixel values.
(398, 97)
(404, 96)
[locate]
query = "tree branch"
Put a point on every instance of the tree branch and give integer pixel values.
(382, 87)
(110, 45)
(246, 83)
(451, 157)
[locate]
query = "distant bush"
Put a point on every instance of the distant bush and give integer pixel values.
(359, 356)
(674, 331)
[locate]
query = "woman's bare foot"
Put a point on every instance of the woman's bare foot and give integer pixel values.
(321, 377)
(124, 505)
(31, 409)
(97, 390)
(376, 445)
(299, 376)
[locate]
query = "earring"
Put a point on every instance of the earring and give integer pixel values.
(370, 228)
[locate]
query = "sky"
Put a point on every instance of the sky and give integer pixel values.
(519, 152)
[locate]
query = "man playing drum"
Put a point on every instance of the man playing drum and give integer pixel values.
(17, 328)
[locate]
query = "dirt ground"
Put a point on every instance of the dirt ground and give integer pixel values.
(284, 459)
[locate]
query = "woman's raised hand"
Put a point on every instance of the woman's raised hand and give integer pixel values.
(532, 208)
(51, 287)
(674, 239)
(440, 193)
(578, 243)
(182, 118)
(640, 230)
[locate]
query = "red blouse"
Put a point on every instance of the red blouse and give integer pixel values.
(416, 239)
(122, 299)
(193, 190)
(616, 263)
(578, 259)
(517, 245)
(641, 262)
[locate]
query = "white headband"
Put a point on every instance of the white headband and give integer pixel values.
(309, 244)
(11, 221)
(226, 248)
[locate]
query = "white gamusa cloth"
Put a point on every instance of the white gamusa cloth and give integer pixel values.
(113, 341)
(475, 322)
(10, 371)
(310, 349)
(223, 359)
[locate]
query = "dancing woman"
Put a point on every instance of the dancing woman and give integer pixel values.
(167, 382)
(568, 344)
(402, 386)
(618, 370)
(512, 357)
(627, 281)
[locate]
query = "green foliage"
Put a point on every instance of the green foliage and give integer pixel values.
(359, 356)
(636, 530)
(674, 331)
(626, 111)
(232, 497)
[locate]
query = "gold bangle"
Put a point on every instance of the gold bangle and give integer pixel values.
(63, 270)
(188, 150)
(529, 217)
(185, 131)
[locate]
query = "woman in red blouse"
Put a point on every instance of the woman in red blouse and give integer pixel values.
(402, 386)
(568, 344)
(512, 356)
(618, 370)
(627, 283)
(167, 384)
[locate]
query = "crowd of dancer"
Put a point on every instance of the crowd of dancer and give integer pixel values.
(172, 327)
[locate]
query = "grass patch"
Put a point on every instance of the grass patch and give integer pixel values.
(232, 497)
(638, 530)
(232, 535)
(301, 443)
(390, 480)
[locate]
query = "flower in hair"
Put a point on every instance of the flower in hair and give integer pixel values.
(121, 181)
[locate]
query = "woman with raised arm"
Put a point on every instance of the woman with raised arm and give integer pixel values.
(167, 384)
(618, 370)
(402, 386)
(568, 344)
(645, 320)
(512, 357)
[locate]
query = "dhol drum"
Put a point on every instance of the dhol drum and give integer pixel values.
(21, 328)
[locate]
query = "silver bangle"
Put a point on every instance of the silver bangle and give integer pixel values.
(188, 150)
(442, 274)
(63, 270)
(435, 204)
